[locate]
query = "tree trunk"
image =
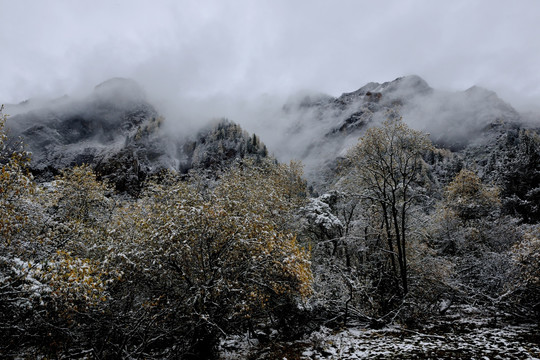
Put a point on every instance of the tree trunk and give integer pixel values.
(389, 238)
(400, 238)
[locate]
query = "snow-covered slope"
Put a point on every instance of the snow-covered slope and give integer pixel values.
(322, 127)
(116, 127)
(119, 133)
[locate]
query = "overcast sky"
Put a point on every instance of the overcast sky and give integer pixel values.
(247, 48)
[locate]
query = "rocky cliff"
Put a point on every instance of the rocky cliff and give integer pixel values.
(119, 133)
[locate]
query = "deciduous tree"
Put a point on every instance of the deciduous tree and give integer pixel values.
(386, 169)
(215, 260)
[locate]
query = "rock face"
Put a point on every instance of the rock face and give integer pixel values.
(449, 115)
(106, 129)
(219, 145)
(324, 127)
(460, 119)
(362, 105)
(119, 133)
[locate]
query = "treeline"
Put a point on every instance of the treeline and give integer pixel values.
(85, 273)
(407, 230)
(220, 145)
(403, 233)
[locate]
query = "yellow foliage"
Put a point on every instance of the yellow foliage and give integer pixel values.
(15, 184)
(74, 281)
(468, 198)
(226, 242)
(79, 195)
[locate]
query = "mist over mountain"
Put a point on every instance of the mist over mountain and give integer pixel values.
(116, 127)
(269, 179)
(122, 136)
(463, 215)
(318, 128)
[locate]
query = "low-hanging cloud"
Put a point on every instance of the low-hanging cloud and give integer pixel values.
(246, 47)
(243, 60)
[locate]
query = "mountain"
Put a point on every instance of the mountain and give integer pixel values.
(123, 136)
(450, 116)
(119, 133)
(323, 127)
(465, 221)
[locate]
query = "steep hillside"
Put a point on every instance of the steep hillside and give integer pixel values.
(322, 127)
(412, 240)
(119, 133)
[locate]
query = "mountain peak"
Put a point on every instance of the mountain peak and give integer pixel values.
(479, 91)
(407, 85)
(401, 88)
(119, 90)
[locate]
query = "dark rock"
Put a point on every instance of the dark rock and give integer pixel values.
(118, 133)
(103, 130)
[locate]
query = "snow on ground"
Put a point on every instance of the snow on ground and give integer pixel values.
(481, 343)
(466, 341)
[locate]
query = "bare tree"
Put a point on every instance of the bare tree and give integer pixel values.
(386, 169)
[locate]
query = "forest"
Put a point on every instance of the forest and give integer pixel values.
(403, 233)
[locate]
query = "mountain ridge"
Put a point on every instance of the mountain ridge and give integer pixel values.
(120, 133)
(454, 120)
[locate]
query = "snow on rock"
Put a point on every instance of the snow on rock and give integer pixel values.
(508, 342)
(319, 212)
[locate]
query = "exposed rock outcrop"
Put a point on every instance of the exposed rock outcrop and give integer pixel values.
(119, 133)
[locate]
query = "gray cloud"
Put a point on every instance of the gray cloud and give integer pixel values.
(198, 58)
